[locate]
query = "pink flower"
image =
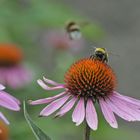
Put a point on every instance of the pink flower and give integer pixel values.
(86, 82)
(12, 72)
(9, 102)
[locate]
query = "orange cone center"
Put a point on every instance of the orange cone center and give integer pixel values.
(9, 55)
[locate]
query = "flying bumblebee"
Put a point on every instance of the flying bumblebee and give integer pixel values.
(100, 54)
(73, 30)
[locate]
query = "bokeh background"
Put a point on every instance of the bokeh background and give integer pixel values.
(113, 25)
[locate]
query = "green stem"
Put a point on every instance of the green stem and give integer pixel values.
(87, 132)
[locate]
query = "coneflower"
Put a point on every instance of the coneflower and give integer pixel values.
(89, 81)
(12, 71)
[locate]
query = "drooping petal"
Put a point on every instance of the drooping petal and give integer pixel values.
(46, 87)
(108, 114)
(132, 109)
(121, 110)
(8, 102)
(131, 102)
(50, 81)
(46, 100)
(52, 107)
(79, 112)
(2, 87)
(10, 96)
(91, 115)
(2, 117)
(126, 98)
(68, 106)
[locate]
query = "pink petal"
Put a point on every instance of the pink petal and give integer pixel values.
(2, 117)
(52, 107)
(46, 100)
(8, 102)
(46, 87)
(10, 96)
(120, 109)
(126, 98)
(2, 87)
(51, 82)
(68, 106)
(132, 109)
(131, 102)
(108, 114)
(91, 115)
(79, 112)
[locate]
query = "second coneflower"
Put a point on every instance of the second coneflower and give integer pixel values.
(12, 71)
(88, 81)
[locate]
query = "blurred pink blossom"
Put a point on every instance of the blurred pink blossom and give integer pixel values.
(12, 71)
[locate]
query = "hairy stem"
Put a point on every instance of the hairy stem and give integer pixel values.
(87, 132)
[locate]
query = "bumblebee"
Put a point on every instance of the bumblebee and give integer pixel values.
(73, 30)
(100, 54)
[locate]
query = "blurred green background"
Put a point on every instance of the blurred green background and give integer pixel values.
(113, 24)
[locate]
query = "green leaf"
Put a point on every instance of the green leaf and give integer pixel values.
(39, 134)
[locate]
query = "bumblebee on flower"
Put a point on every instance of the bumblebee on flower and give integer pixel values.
(88, 81)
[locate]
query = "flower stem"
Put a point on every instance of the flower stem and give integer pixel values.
(87, 132)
